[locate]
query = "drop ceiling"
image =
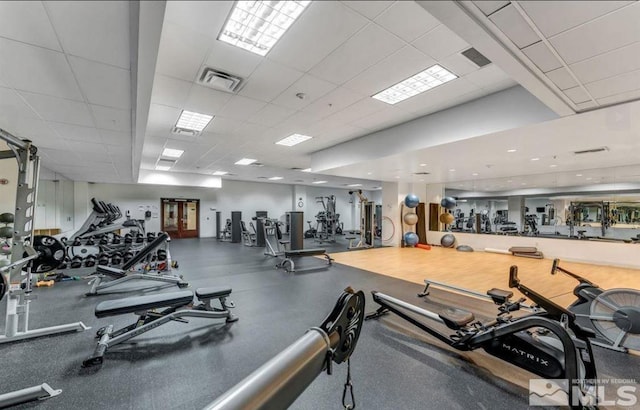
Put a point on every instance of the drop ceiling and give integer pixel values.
(66, 82)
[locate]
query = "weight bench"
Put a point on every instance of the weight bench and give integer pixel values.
(174, 305)
(288, 264)
(123, 274)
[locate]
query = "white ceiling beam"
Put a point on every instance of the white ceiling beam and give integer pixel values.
(466, 20)
(147, 18)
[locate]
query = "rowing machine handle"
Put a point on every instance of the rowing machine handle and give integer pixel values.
(514, 282)
(554, 267)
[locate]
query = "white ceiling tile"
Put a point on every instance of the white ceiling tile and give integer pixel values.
(36, 69)
(89, 147)
(111, 118)
(206, 100)
(42, 141)
(205, 17)
(541, 56)
(355, 111)
(332, 103)
(562, 78)
(458, 64)
(61, 156)
(60, 110)
(170, 91)
(28, 22)
(271, 115)
(552, 17)
(397, 67)
(322, 27)
(608, 64)
(161, 120)
(407, 20)
(249, 132)
(364, 49)
(577, 95)
(103, 84)
(96, 30)
(369, 9)
(489, 7)
(612, 31)
(625, 96)
(76, 132)
(12, 105)
(115, 138)
(511, 23)
(614, 85)
(182, 52)
(440, 43)
(232, 60)
(487, 76)
(30, 128)
(241, 108)
(222, 125)
(269, 80)
(389, 115)
(312, 87)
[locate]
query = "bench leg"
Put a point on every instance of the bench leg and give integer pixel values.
(207, 305)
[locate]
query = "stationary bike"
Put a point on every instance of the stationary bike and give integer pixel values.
(552, 349)
(614, 314)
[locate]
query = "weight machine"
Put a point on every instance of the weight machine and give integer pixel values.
(328, 222)
(367, 222)
(43, 253)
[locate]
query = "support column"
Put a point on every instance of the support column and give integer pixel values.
(81, 208)
(516, 211)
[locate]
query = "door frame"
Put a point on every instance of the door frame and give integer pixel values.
(180, 201)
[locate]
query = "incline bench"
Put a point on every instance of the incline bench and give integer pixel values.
(175, 305)
(289, 255)
(122, 274)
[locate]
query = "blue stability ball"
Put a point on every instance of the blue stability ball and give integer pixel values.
(411, 200)
(410, 239)
(448, 202)
(448, 241)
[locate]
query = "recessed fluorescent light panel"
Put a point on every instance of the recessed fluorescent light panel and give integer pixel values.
(294, 139)
(172, 153)
(419, 83)
(319, 182)
(306, 170)
(256, 26)
(162, 168)
(246, 161)
(193, 121)
(354, 185)
(275, 178)
(220, 173)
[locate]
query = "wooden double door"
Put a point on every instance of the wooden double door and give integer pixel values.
(180, 217)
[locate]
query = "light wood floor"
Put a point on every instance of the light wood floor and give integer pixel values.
(481, 271)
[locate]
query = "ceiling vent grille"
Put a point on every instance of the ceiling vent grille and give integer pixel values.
(166, 162)
(219, 80)
(185, 132)
(421, 173)
(475, 57)
(591, 151)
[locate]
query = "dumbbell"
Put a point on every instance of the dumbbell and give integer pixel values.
(104, 241)
(76, 262)
(116, 258)
(162, 255)
(77, 242)
(91, 241)
(92, 228)
(103, 259)
(65, 263)
(128, 238)
(63, 240)
(116, 239)
(151, 236)
(139, 238)
(128, 255)
(90, 261)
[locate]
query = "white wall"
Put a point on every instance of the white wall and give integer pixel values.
(8, 171)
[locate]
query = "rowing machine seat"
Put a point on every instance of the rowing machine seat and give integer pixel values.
(499, 296)
(456, 318)
(213, 292)
(142, 303)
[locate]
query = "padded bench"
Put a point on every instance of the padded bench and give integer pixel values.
(156, 310)
(289, 265)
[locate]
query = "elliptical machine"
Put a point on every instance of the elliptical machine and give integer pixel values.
(614, 314)
(548, 348)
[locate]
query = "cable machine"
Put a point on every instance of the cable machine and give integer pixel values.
(367, 221)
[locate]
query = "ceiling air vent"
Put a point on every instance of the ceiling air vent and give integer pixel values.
(475, 57)
(591, 151)
(185, 132)
(166, 162)
(219, 80)
(421, 173)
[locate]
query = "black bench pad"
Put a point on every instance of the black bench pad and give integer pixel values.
(213, 292)
(141, 303)
(109, 271)
(500, 294)
(456, 318)
(305, 252)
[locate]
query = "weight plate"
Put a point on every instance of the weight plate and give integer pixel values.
(51, 253)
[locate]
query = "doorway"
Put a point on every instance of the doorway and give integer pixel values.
(180, 217)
